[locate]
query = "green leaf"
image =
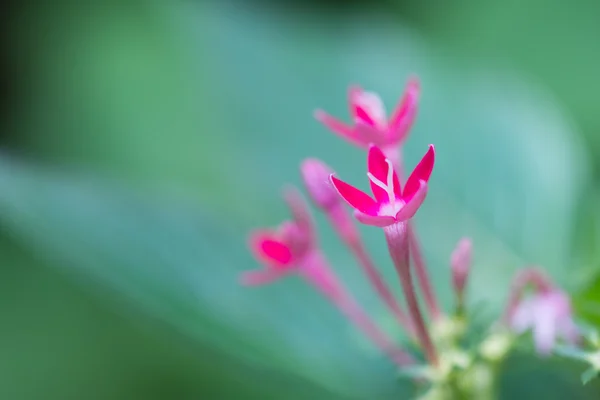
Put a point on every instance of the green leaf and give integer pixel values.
(181, 267)
(508, 174)
(528, 377)
(589, 374)
(74, 346)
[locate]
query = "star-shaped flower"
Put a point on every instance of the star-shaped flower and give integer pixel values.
(549, 315)
(391, 203)
(370, 122)
(283, 249)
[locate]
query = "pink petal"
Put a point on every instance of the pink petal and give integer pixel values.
(354, 92)
(410, 208)
(369, 134)
(288, 231)
(269, 249)
(544, 330)
(262, 277)
(338, 127)
(422, 172)
(378, 167)
(299, 209)
(362, 114)
(368, 109)
(522, 317)
(374, 220)
(356, 198)
(405, 112)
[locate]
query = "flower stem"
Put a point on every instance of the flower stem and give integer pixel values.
(395, 155)
(343, 225)
(398, 245)
(317, 272)
(422, 273)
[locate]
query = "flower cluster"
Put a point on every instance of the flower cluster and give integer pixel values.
(535, 303)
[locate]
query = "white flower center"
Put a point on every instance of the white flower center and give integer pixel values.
(393, 205)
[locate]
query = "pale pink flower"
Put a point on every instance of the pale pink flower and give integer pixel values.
(391, 203)
(370, 123)
(549, 315)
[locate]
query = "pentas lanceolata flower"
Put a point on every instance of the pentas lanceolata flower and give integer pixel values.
(391, 203)
(546, 311)
(293, 249)
(370, 122)
(316, 175)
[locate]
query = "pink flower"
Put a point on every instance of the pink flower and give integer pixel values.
(370, 122)
(391, 204)
(549, 315)
(292, 248)
(282, 249)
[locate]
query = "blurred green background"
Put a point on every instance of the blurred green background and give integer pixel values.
(143, 140)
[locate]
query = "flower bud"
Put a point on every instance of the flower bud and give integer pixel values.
(315, 174)
(460, 262)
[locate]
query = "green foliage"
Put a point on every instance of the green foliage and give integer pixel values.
(203, 144)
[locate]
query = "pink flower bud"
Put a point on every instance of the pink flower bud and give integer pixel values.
(460, 262)
(315, 174)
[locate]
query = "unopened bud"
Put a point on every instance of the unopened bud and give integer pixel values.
(315, 174)
(460, 261)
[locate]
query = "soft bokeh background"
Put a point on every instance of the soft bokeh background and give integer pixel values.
(141, 141)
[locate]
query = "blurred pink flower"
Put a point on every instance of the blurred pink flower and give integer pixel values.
(549, 315)
(292, 248)
(370, 122)
(391, 204)
(283, 249)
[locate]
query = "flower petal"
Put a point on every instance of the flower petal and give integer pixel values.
(357, 110)
(299, 209)
(522, 318)
(379, 167)
(268, 249)
(409, 209)
(363, 116)
(405, 112)
(368, 108)
(356, 198)
(545, 330)
(262, 277)
(354, 92)
(421, 172)
(340, 128)
(374, 220)
(369, 134)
